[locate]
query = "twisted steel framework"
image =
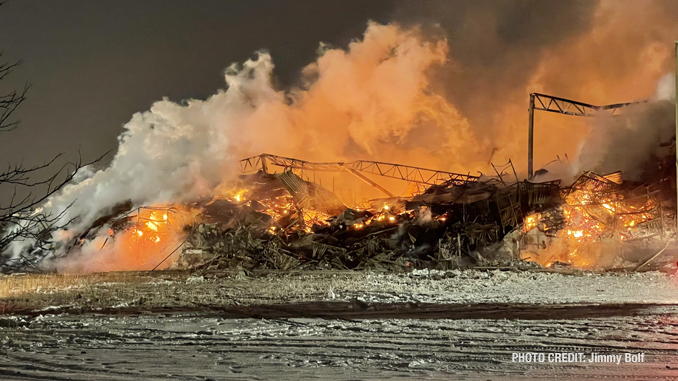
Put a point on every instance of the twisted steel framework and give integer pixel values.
(407, 173)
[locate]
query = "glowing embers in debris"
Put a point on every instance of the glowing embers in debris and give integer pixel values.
(381, 218)
(531, 221)
(610, 219)
(278, 207)
(314, 217)
(240, 195)
(236, 195)
(283, 210)
(150, 233)
(597, 217)
(575, 234)
(152, 224)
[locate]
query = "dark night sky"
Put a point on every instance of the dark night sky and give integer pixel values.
(92, 64)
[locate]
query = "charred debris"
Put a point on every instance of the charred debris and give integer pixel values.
(284, 221)
(287, 221)
(276, 217)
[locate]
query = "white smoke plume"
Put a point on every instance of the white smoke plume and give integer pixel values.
(666, 88)
(627, 142)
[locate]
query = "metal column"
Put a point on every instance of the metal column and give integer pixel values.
(530, 140)
(564, 106)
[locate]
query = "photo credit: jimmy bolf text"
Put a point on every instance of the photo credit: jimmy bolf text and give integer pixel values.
(577, 357)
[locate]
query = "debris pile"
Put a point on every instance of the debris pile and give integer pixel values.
(282, 219)
(601, 222)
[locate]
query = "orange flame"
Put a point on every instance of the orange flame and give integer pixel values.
(594, 215)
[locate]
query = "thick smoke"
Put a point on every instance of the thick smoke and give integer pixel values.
(368, 101)
(597, 52)
(451, 96)
(629, 141)
(497, 46)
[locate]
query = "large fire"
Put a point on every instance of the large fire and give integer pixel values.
(375, 99)
(138, 240)
(151, 228)
(596, 217)
(288, 214)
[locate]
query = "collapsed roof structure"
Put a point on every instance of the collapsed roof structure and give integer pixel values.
(456, 220)
(278, 215)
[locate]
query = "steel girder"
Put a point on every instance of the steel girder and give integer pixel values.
(569, 107)
(396, 171)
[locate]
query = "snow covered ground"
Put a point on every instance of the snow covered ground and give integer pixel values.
(516, 287)
(210, 348)
(502, 313)
(451, 287)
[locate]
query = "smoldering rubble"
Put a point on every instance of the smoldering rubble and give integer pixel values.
(275, 217)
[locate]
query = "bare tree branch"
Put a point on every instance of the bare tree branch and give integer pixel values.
(21, 217)
(18, 219)
(9, 102)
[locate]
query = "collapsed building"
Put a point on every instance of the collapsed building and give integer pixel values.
(277, 217)
(444, 219)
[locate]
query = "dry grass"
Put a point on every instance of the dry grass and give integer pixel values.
(163, 289)
(22, 284)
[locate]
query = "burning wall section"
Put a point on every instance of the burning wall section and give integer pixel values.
(602, 222)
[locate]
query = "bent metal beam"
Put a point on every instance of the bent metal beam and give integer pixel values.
(564, 106)
(407, 173)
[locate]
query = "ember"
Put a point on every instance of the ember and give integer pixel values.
(281, 219)
(598, 216)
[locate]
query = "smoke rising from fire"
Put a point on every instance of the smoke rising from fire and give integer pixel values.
(451, 96)
(597, 52)
(633, 140)
(366, 101)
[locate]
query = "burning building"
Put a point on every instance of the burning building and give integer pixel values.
(174, 194)
(277, 215)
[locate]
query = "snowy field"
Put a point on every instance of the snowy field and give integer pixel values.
(202, 348)
(516, 287)
(104, 328)
(177, 291)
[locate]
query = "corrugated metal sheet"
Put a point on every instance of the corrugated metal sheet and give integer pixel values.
(297, 187)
